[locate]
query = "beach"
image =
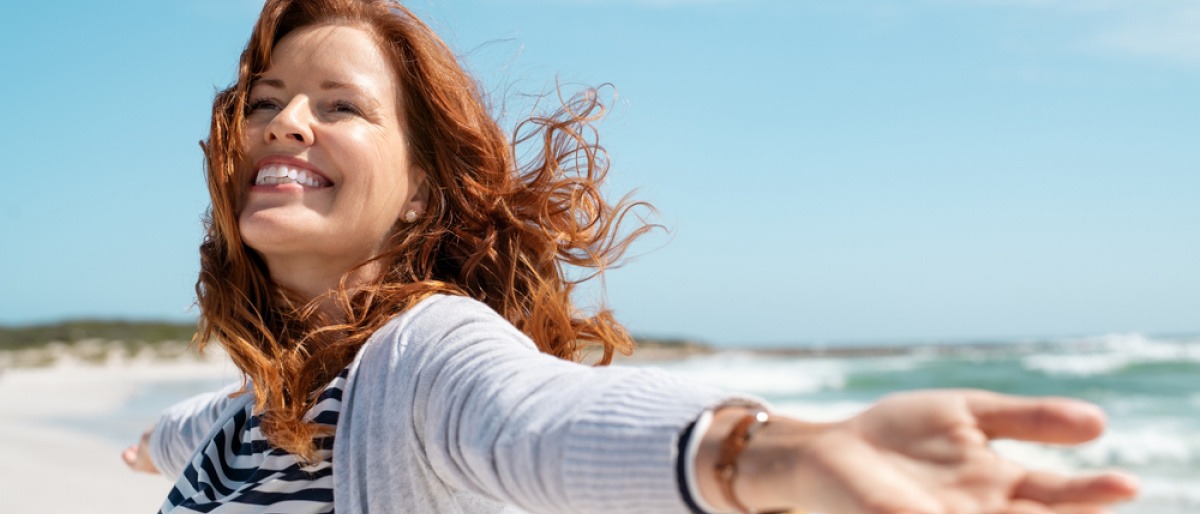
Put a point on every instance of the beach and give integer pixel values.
(62, 429)
(63, 425)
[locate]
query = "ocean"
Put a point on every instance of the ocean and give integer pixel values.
(1149, 386)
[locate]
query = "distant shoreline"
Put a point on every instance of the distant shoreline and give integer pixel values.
(140, 345)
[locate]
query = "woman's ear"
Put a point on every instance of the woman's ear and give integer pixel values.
(419, 201)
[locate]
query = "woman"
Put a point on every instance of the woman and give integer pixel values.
(392, 285)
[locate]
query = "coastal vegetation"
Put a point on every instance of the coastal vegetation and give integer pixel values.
(100, 341)
(146, 332)
(94, 341)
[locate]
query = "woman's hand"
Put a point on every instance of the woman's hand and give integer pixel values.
(137, 456)
(920, 453)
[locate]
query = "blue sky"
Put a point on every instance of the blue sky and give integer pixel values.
(828, 171)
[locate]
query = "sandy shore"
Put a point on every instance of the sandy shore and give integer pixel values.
(62, 429)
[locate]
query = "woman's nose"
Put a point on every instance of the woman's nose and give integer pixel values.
(293, 124)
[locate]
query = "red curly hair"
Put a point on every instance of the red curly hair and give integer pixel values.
(500, 232)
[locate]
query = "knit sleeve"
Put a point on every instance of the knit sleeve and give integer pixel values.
(183, 427)
(496, 417)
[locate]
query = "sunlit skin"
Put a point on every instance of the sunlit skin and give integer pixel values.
(328, 105)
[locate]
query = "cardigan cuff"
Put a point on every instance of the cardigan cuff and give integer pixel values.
(622, 452)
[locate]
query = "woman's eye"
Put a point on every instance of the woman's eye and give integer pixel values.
(347, 108)
(260, 104)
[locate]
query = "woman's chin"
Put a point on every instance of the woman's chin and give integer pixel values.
(270, 232)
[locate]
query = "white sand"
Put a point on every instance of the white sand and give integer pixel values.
(52, 461)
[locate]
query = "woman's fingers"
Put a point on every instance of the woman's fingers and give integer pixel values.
(1052, 420)
(1024, 507)
(130, 456)
(137, 456)
(1028, 507)
(1051, 488)
(1046, 420)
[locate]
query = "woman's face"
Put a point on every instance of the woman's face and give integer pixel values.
(327, 169)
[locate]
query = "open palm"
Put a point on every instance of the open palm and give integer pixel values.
(928, 453)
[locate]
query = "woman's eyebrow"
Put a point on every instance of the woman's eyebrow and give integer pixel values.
(327, 85)
(275, 83)
(334, 84)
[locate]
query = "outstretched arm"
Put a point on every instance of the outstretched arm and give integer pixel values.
(915, 453)
(167, 446)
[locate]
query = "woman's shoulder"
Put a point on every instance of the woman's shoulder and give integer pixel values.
(445, 305)
(441, 322)
(444, 313)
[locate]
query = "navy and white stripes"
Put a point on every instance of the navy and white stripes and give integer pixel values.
(238, 472)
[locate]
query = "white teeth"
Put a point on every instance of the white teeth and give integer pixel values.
(272, 174)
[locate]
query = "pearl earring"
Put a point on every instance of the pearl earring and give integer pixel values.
(410, 216)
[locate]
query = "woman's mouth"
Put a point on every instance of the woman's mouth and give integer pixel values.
(275, 174)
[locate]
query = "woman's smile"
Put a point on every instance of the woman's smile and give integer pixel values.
(279, 175)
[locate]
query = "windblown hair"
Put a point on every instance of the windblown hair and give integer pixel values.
(507, 234)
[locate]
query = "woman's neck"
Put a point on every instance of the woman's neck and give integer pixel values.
(316, 279)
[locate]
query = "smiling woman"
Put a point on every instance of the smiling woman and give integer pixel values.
(327, 153)
(392, 285)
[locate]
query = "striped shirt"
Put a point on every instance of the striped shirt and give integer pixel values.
(239, 472)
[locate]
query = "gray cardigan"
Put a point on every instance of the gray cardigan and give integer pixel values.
(448, 408)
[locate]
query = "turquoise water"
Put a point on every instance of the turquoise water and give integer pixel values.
(1150, 388)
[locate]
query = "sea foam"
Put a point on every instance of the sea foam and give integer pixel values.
(1110, 354)
(741, 371)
